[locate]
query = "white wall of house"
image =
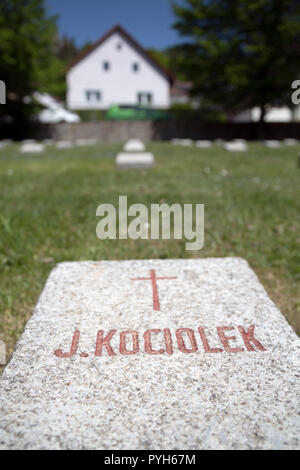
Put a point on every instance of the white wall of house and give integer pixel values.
(90, 86)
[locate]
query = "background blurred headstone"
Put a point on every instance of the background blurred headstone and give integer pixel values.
(135, 160)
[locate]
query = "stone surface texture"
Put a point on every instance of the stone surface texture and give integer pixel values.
(196, 400)
(135, 160)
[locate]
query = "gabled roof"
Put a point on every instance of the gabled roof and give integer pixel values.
(119, 29)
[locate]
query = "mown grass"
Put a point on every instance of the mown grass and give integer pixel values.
(48, 215)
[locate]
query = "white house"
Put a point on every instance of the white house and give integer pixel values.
(117, 70)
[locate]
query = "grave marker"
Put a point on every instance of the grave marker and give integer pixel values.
(134, 145)
(203, 144)
(186, 142)
(64, 144)
(290, 142)
(135, 160)
(32, 147)
(236, 146)
(272, 144)
(198, 358)
(5, 142)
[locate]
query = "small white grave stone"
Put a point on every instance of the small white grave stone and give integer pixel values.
(203, 144)
(186, 142)
(153, 354)
(134, 146)
(4, 143)
(32, 147)
(135, 160)
(183, 142)
(48, 141)
(272, 144)
(64, 144)
(236, 146)
(290, 142)
(28, 141)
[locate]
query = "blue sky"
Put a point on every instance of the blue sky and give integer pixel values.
(149, 21)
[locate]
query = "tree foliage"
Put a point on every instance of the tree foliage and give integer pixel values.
(28, 61)
(240, 53)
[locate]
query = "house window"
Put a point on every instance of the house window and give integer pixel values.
(135, 67)
(119, 46)
(106, 66)
(145, 99)
(93, 96)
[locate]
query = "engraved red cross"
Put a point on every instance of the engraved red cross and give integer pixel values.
(153, 280)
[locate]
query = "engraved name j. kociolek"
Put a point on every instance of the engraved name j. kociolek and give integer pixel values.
(186, 340)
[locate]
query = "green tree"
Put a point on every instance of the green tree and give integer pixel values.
(161, 57)
(240, 53)
(27, 55)
(66, 49)
(167, 59)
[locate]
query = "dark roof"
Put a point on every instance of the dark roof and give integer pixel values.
(181, 88)
(119, 29)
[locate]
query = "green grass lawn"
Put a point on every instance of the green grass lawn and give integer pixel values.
(48, 215)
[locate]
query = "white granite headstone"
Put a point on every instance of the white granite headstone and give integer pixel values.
(64, 144)
(291, 142)
(135, 160)
(5, 142)
(203, 144)
(28, 141)
(272, 144)
(236, 146)
(134, 145)
(186, 142)
(32, 147)
(163, 354)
